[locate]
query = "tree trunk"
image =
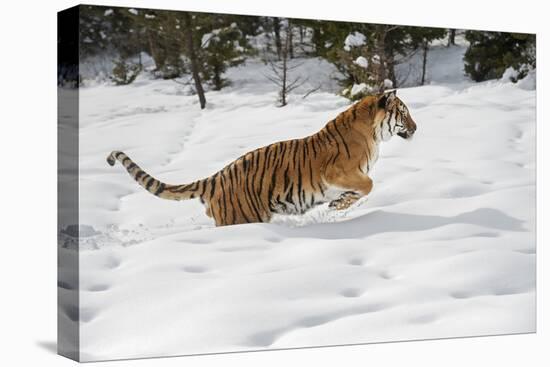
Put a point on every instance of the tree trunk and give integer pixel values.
(277, 31)
(452, 34)
(159, 61)
(285, 70)
(424, 61)
(193, 58)
(391, 75)
(315, 40)
(290, 40)
(381, 50)
(217, 77)
(391, 67)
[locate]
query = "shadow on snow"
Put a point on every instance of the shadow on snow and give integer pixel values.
(382, 221)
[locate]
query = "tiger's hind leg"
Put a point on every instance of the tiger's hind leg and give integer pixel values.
(234, 213)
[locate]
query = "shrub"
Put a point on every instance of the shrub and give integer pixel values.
(124, 72)
(491, 53)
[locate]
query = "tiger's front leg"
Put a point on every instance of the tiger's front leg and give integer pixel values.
(355, 182)
(345, 200)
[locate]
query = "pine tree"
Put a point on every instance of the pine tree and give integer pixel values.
(276, 23)
(107, 31)
(364, 53)
(124, 72)
(162, 37)
(179, 42)
(223, 46)
(95, 30)
(491, 53)
(368, 66)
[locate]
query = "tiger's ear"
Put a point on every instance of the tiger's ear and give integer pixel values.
(385, 98)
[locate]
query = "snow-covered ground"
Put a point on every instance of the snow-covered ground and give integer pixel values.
(444, 246)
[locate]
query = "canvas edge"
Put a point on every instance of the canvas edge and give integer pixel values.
(68, 302)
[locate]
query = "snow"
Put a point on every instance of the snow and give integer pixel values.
(358, 88)
(529, 82)
(444, 65)
(133, 11)
(444, 246)
(238, 47)
(97, 70)
(388, 84)
(354, 39)
(362, 62)
(108, 12)
(509, 74)
(207, 37)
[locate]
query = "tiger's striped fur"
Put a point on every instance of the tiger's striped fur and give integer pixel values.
(290, 177)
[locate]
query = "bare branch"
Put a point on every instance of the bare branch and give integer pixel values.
(297, 65)
(311, 91)
(273, 80)
(296, 84)
(277, 69)
(406, 58)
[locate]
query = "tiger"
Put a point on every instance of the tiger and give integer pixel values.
(293, 176)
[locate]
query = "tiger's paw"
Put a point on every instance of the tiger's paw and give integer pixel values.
(339, 204)
(345, 200)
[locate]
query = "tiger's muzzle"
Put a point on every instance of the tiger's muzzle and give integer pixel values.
(409, 132)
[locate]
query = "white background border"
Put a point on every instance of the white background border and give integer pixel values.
(28, 157)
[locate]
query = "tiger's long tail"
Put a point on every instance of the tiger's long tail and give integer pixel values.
(151, 184)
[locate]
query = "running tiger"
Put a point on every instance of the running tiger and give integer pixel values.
(291, 177)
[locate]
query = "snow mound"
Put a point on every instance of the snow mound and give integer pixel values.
(354, 39)
(529, 82)
(362, 62)
(358, 88)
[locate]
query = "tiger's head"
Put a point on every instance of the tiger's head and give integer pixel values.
(393, 117)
